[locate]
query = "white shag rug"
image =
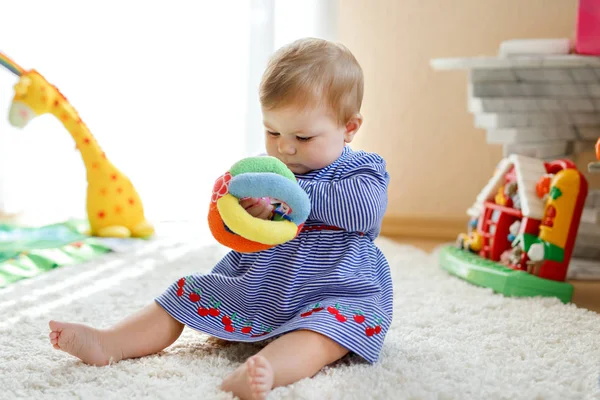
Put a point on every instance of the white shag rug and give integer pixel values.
(448, 340)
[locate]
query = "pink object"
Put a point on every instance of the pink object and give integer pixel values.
(588, 28)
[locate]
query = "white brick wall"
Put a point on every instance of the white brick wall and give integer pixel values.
(591, 216)
(531, 135)
(544, 151)
(583, 269)
(543, 89)
(534, 104)
(539, 112)
(593, 199)
(536, 119)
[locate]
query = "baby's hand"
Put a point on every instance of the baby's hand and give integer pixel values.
(258, 207)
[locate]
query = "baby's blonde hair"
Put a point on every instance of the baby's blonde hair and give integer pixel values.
(310, 71)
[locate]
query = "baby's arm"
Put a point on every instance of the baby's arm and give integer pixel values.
(356, 202)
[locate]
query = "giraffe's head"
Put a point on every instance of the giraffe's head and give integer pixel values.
(33, 96)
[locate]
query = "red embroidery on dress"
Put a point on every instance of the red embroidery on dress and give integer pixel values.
(343, 313)
(312, 310)
(324, 228)
(231, 323)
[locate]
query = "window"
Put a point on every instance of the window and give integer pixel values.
(169, 90)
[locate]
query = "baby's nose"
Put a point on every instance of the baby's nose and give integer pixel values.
(287, 148)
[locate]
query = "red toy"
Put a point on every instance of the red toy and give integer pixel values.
(523, 229)
(535, 230)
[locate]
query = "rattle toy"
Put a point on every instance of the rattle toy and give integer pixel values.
(263, 176)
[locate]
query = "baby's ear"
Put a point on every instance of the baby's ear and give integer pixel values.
(352, 126)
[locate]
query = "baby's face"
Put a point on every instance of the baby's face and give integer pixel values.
(304, 140)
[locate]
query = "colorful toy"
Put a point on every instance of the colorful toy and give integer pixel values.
(233, 226)
(520, 243)
(114, 207)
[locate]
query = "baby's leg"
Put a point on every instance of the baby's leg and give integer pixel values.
(291, 357)
(146, 332)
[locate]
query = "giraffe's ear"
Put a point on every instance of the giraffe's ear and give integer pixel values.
(22, 86)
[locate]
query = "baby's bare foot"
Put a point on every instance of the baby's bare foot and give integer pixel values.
(253, 380)
(260, 376)
(86, 343)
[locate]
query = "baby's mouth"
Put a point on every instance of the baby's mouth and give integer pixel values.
(294, 166)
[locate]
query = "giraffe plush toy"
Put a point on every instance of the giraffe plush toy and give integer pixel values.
(114, 207)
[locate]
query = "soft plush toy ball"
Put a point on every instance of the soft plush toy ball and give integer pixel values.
(263, 176)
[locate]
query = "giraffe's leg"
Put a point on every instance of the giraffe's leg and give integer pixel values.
(114, 231)
(142, 230)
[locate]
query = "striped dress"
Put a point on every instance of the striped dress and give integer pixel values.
(331, 279)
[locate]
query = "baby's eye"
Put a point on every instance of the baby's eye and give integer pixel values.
(303, 139)
(273, 133)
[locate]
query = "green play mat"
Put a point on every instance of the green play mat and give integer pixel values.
(26, 252)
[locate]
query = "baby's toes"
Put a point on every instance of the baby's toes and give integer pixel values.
(54, 339)
(251, 371)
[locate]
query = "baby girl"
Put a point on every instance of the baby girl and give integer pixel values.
(319, 296)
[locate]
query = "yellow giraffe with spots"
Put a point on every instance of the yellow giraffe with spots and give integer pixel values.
(114, 207)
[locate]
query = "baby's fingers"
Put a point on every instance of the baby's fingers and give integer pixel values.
(248, 202)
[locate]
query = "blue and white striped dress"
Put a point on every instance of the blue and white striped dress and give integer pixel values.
(335, 282)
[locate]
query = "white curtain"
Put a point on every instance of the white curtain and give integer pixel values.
(169, 89)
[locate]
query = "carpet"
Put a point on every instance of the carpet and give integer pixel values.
(448, 340)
